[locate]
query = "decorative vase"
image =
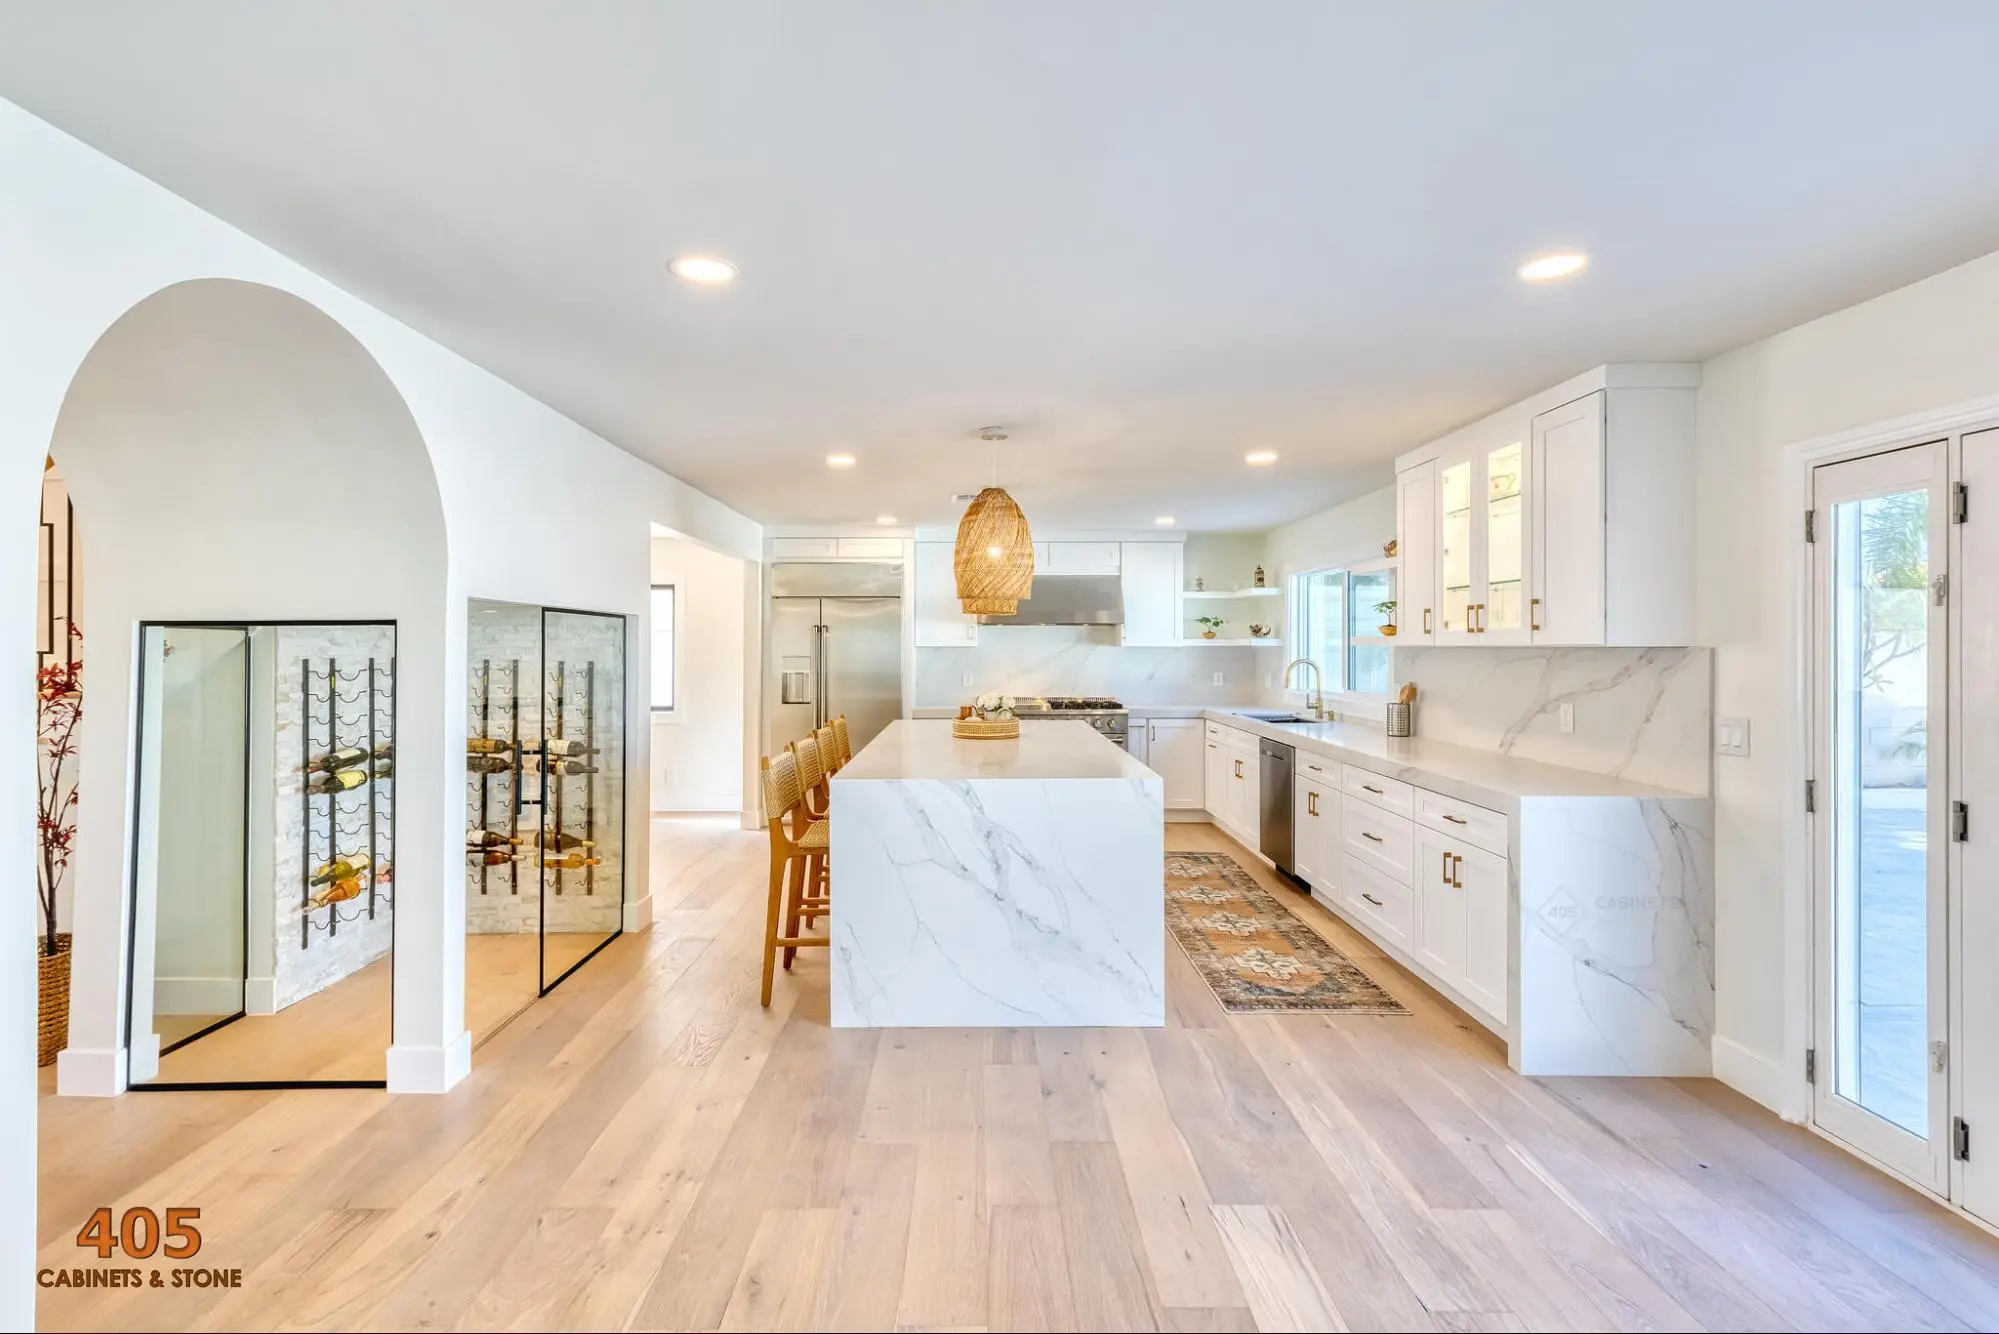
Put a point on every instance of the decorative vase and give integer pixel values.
(1200, 584)
(53, 1028)
(1259, 576)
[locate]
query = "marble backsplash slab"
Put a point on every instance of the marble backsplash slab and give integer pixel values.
(1073, 660)
(1640, 713)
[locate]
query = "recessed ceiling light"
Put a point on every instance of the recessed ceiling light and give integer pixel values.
(705, 270)
(1548, 268)
(885, 520)
(1164, 521)
(839, 460)
(1260, 458)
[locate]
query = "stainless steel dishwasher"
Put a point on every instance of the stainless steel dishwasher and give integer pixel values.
(1274, 791)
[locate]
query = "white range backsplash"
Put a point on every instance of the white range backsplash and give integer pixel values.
(1068, 660)
(1640, 713)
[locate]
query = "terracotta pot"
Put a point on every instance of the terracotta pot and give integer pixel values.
(1388, 631)
(54, 991)
(1207, 634)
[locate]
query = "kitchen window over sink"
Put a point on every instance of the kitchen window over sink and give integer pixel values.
(1335, 623)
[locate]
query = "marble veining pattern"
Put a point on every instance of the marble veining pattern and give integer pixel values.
(1615, 963)
(1074, 660)
(997, 900)
(1640, 713)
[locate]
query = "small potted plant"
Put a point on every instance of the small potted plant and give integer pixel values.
(1386, 611)
(993, 708)
(1209, 625)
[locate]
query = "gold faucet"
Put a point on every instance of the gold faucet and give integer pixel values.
(1318, 693)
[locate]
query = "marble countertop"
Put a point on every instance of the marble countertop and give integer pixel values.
(1478, 773)
(924, 749)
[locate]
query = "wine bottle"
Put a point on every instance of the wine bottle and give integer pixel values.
(488, 764)
(557, 745)
(574, 861)
(487, 838)
(340, 868)
(552, 838)
(339, 780)
(487, 745)
(562, 768)
(490, 856)
(338, 892)
(344, 758)
(385, 768)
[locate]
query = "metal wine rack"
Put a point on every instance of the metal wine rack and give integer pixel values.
(566, 701)
(510, 778)
(338, 709)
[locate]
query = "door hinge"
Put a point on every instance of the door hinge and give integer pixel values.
(1939, 1056)
(1960, 503)
(1960, 822)
(1960, 1139)
(1811, 795)
(1811, 525)
(1811, 1065)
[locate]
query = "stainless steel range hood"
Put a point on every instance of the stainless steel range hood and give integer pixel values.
(1069, 599)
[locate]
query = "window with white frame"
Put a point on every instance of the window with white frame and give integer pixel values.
(662, 648)
(1337, 614)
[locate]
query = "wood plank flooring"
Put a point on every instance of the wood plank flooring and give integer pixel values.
(648, 1148)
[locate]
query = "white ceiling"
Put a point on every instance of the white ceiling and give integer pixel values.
(1144, 235)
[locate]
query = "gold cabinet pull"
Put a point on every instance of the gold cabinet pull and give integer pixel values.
(1426, 621)
(1454, 819)
(1533, 613)
(1457, 862)
(1372, 838)
(1370, 898)
(1447, 868)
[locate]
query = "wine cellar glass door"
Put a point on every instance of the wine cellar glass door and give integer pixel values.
(577, 770)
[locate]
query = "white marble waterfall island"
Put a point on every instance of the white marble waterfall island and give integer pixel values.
(997, 883)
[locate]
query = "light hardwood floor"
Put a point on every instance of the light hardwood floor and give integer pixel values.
(647, 1148)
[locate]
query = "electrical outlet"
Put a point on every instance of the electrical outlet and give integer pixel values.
(1568, 717)
(968, 680)
(1218, 678)
(1731, 736)
(1268, 679)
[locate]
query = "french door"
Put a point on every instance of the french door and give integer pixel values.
(1883, 816)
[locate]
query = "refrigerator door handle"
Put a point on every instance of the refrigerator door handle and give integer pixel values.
(820, 634)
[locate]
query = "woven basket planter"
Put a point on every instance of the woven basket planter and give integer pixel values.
(54, 989)
(994, 557)
(981, 729)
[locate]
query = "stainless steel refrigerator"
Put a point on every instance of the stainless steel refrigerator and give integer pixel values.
(834, 647)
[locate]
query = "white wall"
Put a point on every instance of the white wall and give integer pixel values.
(1341, 535)
(82, 241)
(697, 749)
(1925, 346)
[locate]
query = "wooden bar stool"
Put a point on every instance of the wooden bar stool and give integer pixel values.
(795, 839)
(817, 802)
(829, 749)
(843, 740)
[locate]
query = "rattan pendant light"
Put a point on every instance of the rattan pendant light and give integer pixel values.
(994, 558)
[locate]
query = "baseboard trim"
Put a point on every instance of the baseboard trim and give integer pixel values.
(260, 996)
(638, 915)
(430, 1069)
(198, 995)
(1755, 1076)
(90, 1072)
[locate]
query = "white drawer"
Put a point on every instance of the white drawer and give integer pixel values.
(1386, 842)
(1373, 898)
(1387, 793)
(1460, 819)
(1318, 768)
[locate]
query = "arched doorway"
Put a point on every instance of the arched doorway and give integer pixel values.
(241, 466)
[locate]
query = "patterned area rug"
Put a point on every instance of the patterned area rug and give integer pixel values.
(1254, 953)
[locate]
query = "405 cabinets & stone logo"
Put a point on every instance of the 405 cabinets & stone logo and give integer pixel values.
(141, 1234)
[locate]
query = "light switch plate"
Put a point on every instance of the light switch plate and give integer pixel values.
(1568, 717)
(1218, 678)
(968, 680)
(1731, 736)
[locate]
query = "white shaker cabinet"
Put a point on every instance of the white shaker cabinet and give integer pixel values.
(1566, 519)
(1076, 557)
(1315, 837)
(1461, 921)
(1416, 554)
(1174, 749)
(1150, 575)
(940, 620)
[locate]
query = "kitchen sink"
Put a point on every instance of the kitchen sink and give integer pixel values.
(1272, 716)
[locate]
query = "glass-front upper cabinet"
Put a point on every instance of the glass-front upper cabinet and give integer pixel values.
(1482, 536)
(1454, 536)
(1502, 605)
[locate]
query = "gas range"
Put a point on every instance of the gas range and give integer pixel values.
(1110, 718)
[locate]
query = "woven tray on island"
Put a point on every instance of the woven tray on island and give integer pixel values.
(981, 729)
